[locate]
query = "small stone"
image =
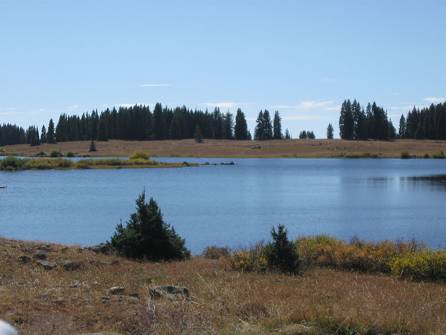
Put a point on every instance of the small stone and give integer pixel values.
(71, 265)
(105, 299)
(24, 259)
(46, 264)
(116, 290)
(40, 254)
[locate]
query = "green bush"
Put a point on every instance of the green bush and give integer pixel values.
(70, 154)
(439, 155)
(55, 154)
(405, 155)
(139, 155)
(424, 265)
(147, 236)
(11, 163)
(281, 253)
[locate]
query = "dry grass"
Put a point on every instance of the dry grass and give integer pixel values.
(228, 148)
(57, 301)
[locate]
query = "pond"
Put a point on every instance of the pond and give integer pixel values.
(234, 205)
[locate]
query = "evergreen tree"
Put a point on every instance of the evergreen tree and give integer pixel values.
(330, 132)
(287, 134)
(402, 128)
(147, 236)
(43, 135)
(259, 130)
(51, 136)
(346, 122)
(281, 253)
(241, 126)
(228, 126)
(277, 126)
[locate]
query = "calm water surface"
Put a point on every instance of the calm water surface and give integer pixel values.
(233, 205)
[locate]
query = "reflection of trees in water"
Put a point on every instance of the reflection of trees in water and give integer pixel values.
(437, 181)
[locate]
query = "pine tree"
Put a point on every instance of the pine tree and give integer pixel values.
(346, 121)
(228, 126)
(43, 135)
(330, 132)
(277, 126)
(281, 253)
(402, 128)
(259, 131)
(147, 236)
(50, 135)
(241, 126)
(287, 134)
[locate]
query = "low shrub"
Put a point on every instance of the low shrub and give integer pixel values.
(424, 265)
(439, 155)
(70, 154)
(280, 255)
(47, 164)
(405, 155)
(11, 163)
(214, 252)
(56, 154)
(139, 155)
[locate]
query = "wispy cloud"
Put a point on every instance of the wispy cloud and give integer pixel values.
(72, 107)
(223, 104)
(155, 85)
(435, 100)
(302, 118)
(127, 105)
(306, 105)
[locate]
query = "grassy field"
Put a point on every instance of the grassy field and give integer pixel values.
(228, 148)
(76, 300)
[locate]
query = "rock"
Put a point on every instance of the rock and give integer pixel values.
(46, 264)
(105, 299)
(169, 292)
(40, 254)
(71, 265)
(24, 259)
(116, 290)
(7, 329)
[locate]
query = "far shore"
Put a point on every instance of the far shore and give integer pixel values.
(241, 149)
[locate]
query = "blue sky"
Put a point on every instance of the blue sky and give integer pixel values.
(302, 58)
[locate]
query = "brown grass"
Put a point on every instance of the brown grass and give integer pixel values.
(56, 301)
(228, 148)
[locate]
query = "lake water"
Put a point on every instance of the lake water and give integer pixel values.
(233, 205)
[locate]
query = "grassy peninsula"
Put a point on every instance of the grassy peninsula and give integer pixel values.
(17, 164)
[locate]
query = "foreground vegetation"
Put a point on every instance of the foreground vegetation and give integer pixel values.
(16, 164)
(78, 300)
(229, 148)
(405, 260)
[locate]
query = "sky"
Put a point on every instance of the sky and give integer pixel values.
(302, 58)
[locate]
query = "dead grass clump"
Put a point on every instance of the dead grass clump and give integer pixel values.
(214, 252)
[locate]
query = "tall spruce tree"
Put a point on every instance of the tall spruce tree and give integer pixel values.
(330, 132)
(346, 122)
(277, 126)
(402, 127)
(241, 126)
(50, 135)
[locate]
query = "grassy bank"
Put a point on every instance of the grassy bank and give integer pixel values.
(229, 148)
(18, 164)
(77, 299)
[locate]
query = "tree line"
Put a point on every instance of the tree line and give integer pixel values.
(425, 123)
(140, 123)
(357, 123)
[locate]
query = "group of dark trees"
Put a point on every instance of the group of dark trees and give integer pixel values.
(306, 135)
(267, 130)
(355, 123)
(140, 123)
(425, 123)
